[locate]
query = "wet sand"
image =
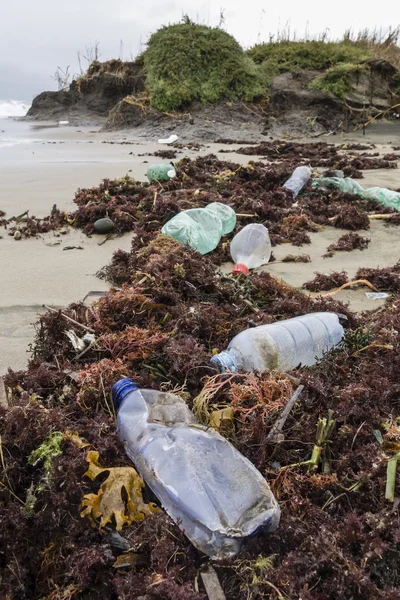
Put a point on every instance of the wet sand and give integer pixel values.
(53, 163)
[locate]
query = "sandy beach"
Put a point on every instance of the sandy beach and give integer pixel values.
(43, 165)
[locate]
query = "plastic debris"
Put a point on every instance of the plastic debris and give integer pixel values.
(376, 295)
(298, 180)
(160, 172)
(172, 138)
(208, 488)
(250, 248)
(388, 198)
(283, 345)
(80, 344)
(201, 228)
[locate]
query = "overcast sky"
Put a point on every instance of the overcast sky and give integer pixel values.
(36, 36)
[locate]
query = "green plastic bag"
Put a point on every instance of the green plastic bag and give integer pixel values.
(201, 228)
(386, 197)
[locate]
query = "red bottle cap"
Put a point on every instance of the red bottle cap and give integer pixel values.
(238, 269)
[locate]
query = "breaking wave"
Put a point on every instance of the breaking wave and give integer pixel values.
(13, 108)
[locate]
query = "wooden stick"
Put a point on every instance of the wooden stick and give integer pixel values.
(54, 310)
(381, 216)
(211, 583)
(276, 430)
(348, 284)
(3, 394)
(244, 215)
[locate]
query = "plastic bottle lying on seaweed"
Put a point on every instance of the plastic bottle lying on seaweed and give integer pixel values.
(160, 172)
(285, 345)
(298, 180)
(250, 248)
(210, 490)
(201, 228)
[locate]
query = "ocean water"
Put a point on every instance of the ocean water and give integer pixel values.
(13, 132)
(13, 108)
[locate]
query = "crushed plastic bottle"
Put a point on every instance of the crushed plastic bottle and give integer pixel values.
(283, 346)
(250, 248)
(210, 490)
(160, 173)
(388, 198)
(298, 180)
(201, 228)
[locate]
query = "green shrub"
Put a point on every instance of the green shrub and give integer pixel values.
(337, 79)
(185, 62)
(281, 57)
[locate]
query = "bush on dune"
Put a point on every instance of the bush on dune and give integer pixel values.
(186, 62)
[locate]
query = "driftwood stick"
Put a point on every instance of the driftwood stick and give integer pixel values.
(276, 430)
(3, 394)
(54, 310)
(378, 216)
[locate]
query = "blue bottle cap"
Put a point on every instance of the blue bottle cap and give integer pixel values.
(121, 389)
(225, 362)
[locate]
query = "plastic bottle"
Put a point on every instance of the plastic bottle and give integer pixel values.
(210, 490)
(283, 346)
(201, 228)
(160, 173)
(298, 180)
(250, 248)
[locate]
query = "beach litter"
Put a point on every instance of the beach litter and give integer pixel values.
(250, 248)
(388, 198)
(210, 490)
(282, 346)
(160, 172)
(201, 228)
(172, 138)
(376, 295)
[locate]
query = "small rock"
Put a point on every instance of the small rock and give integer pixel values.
(17, 235)
(103, 225)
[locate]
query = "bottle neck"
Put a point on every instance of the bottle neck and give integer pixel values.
(226, 362)
(121, 389)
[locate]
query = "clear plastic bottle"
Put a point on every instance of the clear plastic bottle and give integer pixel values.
(201, 228)
(207, 487)
(285, 345)
(298, 180)
(160, 172)
(250, 248)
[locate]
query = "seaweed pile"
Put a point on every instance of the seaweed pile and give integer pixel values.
(323, 282)
(347, 243)
(253, 190)
(169, 310)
